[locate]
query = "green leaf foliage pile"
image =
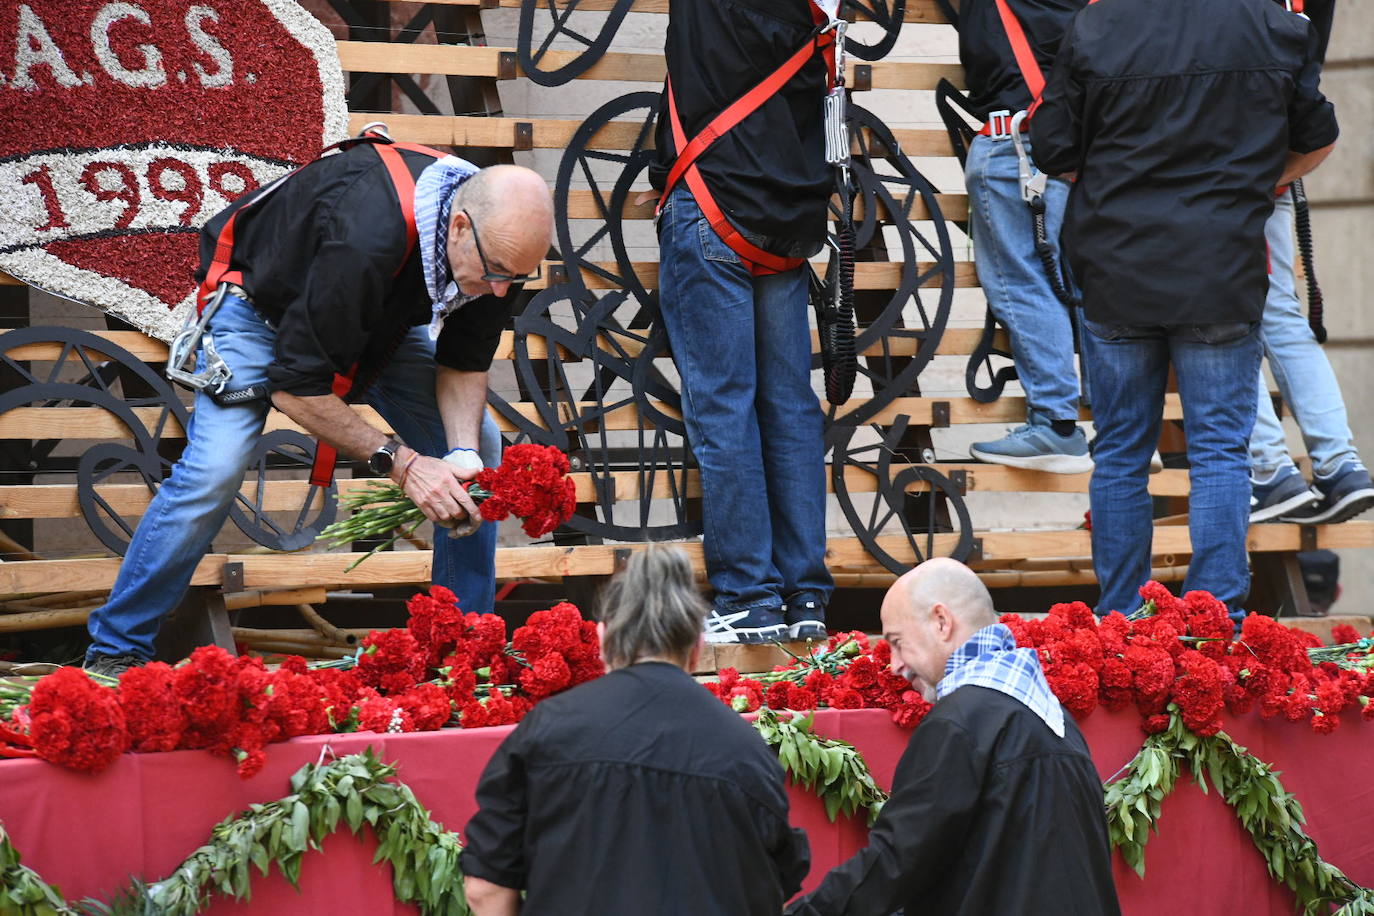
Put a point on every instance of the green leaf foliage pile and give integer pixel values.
(356, 790)
(1252, 788)
(834, 770)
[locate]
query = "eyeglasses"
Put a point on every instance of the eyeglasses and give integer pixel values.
(492, 276)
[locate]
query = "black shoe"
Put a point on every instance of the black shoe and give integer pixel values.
(805, 618)
(751, 627)
(1284, 496)
(112, 666)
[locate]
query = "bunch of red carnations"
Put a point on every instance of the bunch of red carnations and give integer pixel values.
(444, 668)
(851, 671)
(1185, 651)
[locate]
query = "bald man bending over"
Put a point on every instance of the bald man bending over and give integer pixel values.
(332, 280)
(996, 806)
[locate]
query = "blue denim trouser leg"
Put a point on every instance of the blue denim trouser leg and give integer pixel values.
(193, 503)
(1300, 367)
(404, 395)
(742, 346)
(1129, 367)
(1014, 281)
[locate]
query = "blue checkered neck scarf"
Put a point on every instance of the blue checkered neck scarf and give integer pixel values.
(990, 659)
(434, 193)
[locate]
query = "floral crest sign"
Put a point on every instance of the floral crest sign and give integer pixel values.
(129, 124)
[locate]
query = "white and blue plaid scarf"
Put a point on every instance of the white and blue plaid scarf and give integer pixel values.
(434, 191)
(990, 659)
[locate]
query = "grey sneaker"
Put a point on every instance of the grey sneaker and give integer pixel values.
(1285, 494)
(112, 666)
(1038, 448)
(1345, 494)
(805, 617)
(751, 627)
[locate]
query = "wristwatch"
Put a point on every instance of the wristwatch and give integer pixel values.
(383, 459)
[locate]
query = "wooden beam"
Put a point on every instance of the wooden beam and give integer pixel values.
(92, 423)
(916, 10)
(499, 63)
(584, 204)
(131, 500)
(881, 275)
(296, 570)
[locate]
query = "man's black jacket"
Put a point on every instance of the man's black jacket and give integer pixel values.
(1177, 117)
(994, 80)
(322, 261)
(991, 813)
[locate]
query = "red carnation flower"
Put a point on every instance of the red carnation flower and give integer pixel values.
(207, 687)
(76, 723)
(390, 661)
(155, 719)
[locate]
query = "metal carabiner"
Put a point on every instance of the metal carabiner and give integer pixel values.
(1032, 181)
(182, 350)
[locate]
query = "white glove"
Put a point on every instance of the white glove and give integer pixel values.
(465, 459)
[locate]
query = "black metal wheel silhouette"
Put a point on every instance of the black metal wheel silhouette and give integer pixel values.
(559, 18)
(314, 511)
(609, 407)
(888, 16)
(885, 516)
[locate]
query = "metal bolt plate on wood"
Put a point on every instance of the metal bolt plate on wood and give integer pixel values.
(524, 135)
(939, 414)
(506, 67)
(622, 557)
(1307, 537)
(863, 78)
(231, 578)
(960, 479)
(558, 273)
(975, 552)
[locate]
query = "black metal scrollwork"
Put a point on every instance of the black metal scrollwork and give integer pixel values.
(892, 513)
(560, 24)
(140, 454)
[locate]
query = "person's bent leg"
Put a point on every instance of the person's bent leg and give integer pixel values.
(706, 298)
(193, 503)
(1216, 366)
(1298, 362)
(791, 428)
(1129, 367)
(404, 395)
(1019, 294)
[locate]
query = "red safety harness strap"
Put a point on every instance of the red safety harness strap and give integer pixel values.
(758, 261)
(1031, 73)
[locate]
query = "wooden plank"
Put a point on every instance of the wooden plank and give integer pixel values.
(8, 280)
(94, 423)
(413, 566)
(34, 576)
(953, 342)
(470, 60)
(884, 275)
(586, 205)
(916, 10)
(557, 133)
(131, 500)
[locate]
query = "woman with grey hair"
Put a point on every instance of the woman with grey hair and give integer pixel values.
(638, 792)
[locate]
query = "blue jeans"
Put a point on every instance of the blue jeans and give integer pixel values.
(1014, 281)
(193, 503)
(1300, 367)
(742, 346)
(1130, 367)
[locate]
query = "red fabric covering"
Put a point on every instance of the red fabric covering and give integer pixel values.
(149, 811)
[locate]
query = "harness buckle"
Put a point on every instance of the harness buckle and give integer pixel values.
(1000, 124)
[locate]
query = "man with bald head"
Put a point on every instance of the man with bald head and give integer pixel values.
(367, 276)
(996, 806)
